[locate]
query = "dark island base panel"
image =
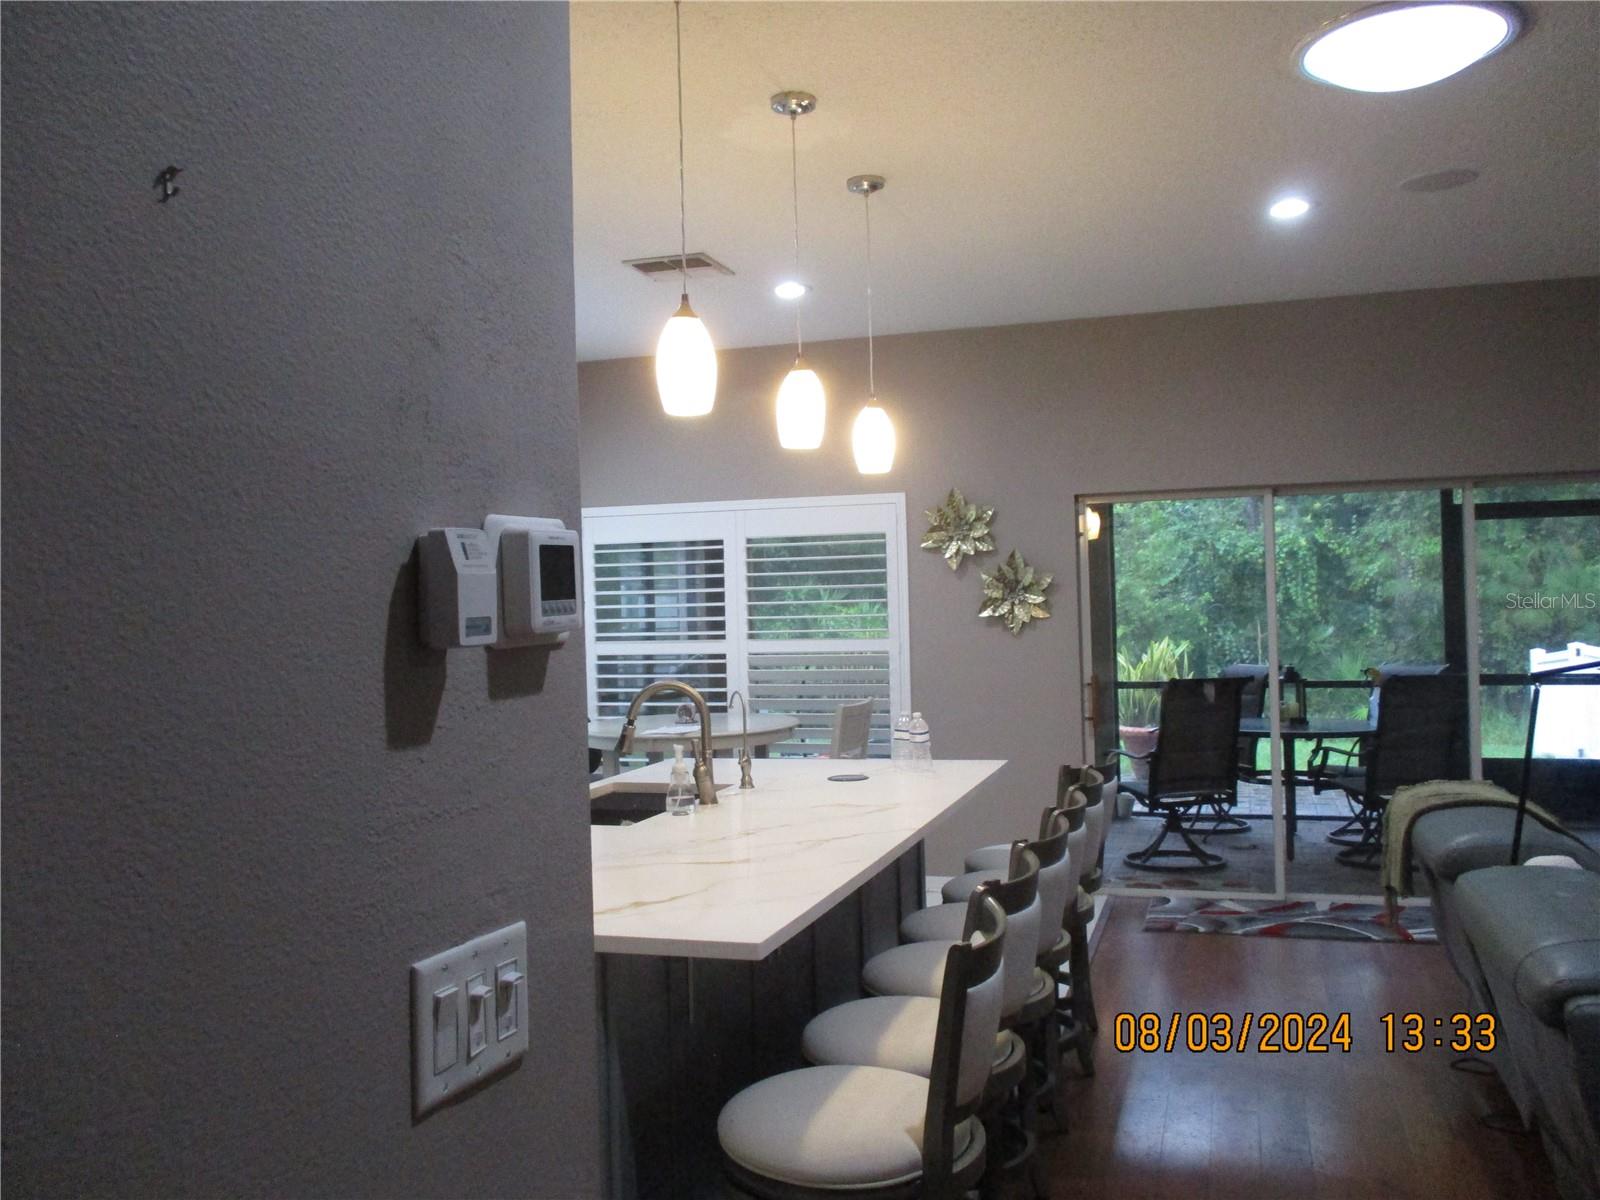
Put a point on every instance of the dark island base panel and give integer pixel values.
(681, 1036)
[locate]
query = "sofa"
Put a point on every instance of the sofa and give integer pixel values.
(1526, 941)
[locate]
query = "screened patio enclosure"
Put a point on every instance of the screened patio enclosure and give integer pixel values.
(1338, 587)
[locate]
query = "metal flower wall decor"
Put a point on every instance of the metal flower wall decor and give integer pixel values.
(1014, 593)
(958, 528)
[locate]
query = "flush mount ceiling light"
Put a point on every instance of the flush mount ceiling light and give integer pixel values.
(872, 438)
(686, 361)
(1397, 47)
(802, 404)
(1290, 208)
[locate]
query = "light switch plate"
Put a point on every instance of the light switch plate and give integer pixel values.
(442, 981)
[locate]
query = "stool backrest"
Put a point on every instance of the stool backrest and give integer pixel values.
(1056, 885)
(969, 1020)
(1076, 810)
(1019, 897)
(1089, 780)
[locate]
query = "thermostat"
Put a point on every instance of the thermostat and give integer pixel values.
(538, 561)
(458, 589)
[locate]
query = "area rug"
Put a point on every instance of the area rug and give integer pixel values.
(1290, 918)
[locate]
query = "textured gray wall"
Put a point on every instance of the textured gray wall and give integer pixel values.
(1411, 385)
(239, 799)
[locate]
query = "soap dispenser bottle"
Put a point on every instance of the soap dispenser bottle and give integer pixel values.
(681, 796)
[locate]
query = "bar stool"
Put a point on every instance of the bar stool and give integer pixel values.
(1067, 1033)
(1093, 781)
(822, 1132)
(1057, 888)
(892, 1027)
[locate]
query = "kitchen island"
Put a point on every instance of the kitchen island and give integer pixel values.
(719, 935)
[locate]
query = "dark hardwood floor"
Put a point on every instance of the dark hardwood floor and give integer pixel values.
(1367, 1125)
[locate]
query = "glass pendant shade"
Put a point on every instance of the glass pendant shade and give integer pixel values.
(802, 409)
(872, 439)
(686, 365)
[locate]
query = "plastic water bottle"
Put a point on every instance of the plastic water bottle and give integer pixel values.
(919, 744)
(902, 739)
(681, 796)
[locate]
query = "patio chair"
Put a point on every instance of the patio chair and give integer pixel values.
(1420, 736)
(1319, 762)
(1194, 765)
(1252, 703)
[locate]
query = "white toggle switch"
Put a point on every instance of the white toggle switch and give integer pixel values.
(508, 1003)
(478, 984)
(446, 1028)
(478, 993)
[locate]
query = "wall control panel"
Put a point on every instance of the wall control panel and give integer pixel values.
(458, 588)
(469, 1015)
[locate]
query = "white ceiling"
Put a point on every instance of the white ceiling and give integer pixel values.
(1056, 160)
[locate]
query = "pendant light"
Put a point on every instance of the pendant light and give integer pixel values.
(802, 403)
(686, 361)
(872, 439)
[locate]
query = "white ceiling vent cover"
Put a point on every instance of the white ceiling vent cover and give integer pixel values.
(670, 266)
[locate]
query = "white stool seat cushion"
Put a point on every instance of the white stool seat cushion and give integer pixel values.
(915, 969)
(896, 1032)
(990, 858)
(834, 1126)
(936, 923)
(959, 889)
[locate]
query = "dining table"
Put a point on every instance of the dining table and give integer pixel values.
(654, 737)
(1290, 732)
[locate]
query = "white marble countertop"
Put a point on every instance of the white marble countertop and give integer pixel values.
(738, 879)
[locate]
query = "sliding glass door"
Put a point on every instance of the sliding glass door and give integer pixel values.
(1178, 589)
(1362, 598)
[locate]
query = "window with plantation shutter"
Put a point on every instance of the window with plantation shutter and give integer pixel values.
(799, 603)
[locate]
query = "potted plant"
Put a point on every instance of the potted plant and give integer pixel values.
(1138, 708)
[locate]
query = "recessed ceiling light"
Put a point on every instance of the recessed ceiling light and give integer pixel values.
(1397, 47)
(790, 289)
(1289, 208)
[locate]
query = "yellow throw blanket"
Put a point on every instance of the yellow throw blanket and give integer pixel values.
(1409, 803)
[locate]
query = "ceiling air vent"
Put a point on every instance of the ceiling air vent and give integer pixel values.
(668, 266)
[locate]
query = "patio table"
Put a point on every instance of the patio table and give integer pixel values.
(1289, 734)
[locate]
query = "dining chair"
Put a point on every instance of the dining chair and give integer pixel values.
(823, 1132)
(852, 729)
(1194, 765)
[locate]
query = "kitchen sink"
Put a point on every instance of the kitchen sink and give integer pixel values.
(625, 808)
(627, 805)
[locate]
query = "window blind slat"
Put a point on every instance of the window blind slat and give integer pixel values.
(659, 591)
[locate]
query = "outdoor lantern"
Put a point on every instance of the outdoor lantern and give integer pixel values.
(1292, 697)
